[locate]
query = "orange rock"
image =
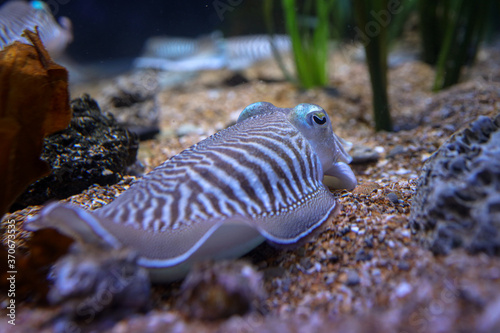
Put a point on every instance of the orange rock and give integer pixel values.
(366, 188)
(34, 102)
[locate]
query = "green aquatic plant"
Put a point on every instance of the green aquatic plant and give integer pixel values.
(451, 32)
(268, 6)
(341, 19)
(399, 22)
(375, 43)
(309, 32)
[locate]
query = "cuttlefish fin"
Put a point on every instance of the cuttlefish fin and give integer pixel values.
(74, 222)
(300, 221)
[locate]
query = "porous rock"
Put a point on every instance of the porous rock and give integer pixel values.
(94, 149)
(90, 283)
(457, 200)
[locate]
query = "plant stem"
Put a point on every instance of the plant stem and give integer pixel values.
(376, 55)
(467, 21)
(268, 18)
(310, 46)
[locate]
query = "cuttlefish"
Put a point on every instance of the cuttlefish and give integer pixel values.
(260, 179)
(16, 16)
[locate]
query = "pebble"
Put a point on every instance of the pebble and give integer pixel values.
(186, 129)
(393, 197)
(361, 255)
(330, 278)
(403, 289)
(397, 150)
(381, 236)
(333, 259)
(94, 280)
(369, 241)
(403, 265)
(405, 233)
(403, 171)
(352, 278)
(362, 154)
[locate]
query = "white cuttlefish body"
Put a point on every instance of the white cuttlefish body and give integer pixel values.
(260, 179)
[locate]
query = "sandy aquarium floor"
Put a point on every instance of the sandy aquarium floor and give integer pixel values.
(365, 271)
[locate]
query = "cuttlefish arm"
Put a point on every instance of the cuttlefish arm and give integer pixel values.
(340, 176)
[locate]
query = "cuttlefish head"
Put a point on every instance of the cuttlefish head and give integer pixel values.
(315, 125)
(313, 122)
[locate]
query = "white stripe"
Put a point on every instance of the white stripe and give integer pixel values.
(198, 213)
(254, 180)
(241, 197)
(182, 203)
(207, 205)
(207, 187)
(272, 154)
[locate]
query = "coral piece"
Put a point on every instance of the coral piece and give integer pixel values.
(457, 202)
(217, 290)
(34, 102)
(94, 149)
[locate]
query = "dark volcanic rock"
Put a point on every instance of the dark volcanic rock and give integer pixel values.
(457, 201)
(94, 149)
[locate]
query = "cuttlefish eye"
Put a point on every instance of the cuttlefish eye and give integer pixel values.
(319, 118)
